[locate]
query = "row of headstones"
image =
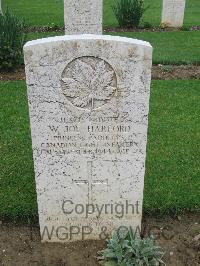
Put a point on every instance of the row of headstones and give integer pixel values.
(88, 105)
(86, 16)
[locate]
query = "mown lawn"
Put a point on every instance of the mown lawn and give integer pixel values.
(44, 12)
(172, 170)
(169, 47)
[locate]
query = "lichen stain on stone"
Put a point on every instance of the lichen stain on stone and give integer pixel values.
(118, 93)
(104, 43)
(119, 75)
(99, 43)
(76, 45)
(27, 55)
(147, 55)
(131, 51)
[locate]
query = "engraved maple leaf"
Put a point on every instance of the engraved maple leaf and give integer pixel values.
(88, 83)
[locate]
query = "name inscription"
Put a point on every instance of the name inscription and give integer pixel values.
(89, 138)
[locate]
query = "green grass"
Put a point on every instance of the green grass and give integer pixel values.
(153, 14)
(17, 187)
(169, 47)
(44, 12)
(172, 176)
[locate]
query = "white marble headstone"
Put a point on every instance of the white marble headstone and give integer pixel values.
(173, 13)
(83, 16)
(88, 103)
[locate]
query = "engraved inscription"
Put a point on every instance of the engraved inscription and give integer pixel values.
(107, 139)
(173, 7)
(89, 82)
(83, 16)
(173, 12)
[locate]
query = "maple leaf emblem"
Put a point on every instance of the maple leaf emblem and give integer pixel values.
(89, 83)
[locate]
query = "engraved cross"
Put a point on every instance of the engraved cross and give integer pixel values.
(90, 182)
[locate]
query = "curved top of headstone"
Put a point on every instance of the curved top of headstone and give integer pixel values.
(87, 37)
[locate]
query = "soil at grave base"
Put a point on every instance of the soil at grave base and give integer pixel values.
(20, 246)
(159, 72)
(155, 29)
(112, 29)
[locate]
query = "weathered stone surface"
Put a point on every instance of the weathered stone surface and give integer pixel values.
(83, 16)
(88, 101)
(173, 13)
